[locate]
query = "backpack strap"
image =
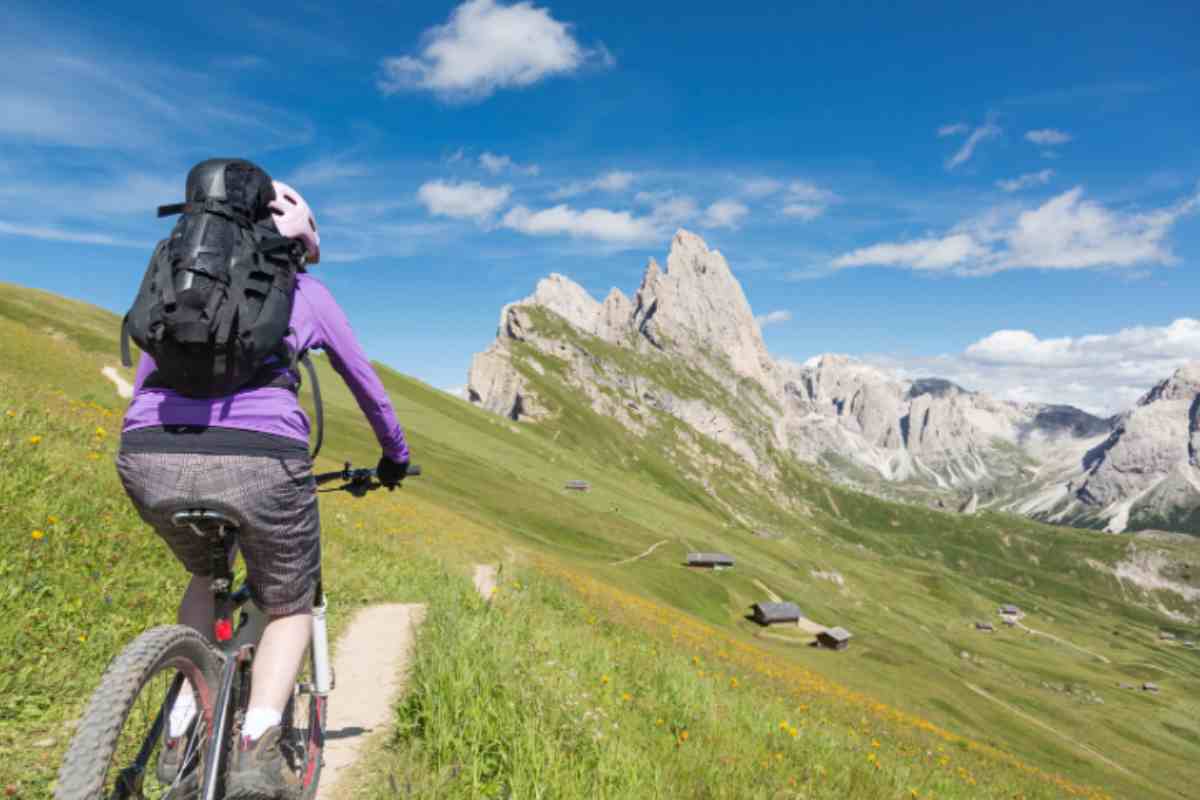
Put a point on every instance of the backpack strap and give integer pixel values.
(126, 355)
(317, 406)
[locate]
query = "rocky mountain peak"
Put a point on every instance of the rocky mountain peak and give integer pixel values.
(1184, 384)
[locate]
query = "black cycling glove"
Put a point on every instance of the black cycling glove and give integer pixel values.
(391, 473)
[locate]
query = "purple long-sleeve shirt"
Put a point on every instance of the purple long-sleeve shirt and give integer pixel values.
(317, 323)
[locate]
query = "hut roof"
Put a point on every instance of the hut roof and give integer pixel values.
(1009, 608)
(709, 558)
(577, 485)
(779, 612)
(839, 634)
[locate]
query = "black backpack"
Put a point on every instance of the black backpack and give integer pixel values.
(216, 301)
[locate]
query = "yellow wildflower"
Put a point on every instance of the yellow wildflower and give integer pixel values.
(683, 736)
(604, 679)
(733, 683)
(11, 413)
(100, 432)
(51, 520)
(83, 637)
(35, 439)
(36, 535)
(626, 696)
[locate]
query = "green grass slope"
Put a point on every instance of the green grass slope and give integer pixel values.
(597, 676)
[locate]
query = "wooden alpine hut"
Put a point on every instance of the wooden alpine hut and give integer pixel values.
(775, 613)
(710, 560)
(578, 486)
(834, 638)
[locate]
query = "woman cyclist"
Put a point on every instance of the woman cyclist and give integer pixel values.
(248, 454)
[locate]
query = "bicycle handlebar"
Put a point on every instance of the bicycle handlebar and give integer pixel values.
(360, 479)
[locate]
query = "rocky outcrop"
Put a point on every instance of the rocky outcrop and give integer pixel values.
(694, 353)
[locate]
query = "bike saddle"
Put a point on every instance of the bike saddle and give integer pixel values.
(204, 521)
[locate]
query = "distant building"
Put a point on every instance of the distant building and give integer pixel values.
(713, 560)
(984, 626)
(578, 486)
(1149, 687)
(1166, 636)
(775, 613)
(1009, 610)
(834, 638)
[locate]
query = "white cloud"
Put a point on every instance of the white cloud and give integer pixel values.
(1025, 181)
(1102, 373)
(1065, 232)
(961, 156)
(486, 46)
(806, 200)
(772, 318)
(325, 171)
(619, 227)
(1048, 137)
(613, 181)
(466, 200)
(760, 187)
(52, 234)
(667, 210)
(1068, 232)
(803, 211)
(496, 164)
(931, 254)
(724, 214)
(954, 129)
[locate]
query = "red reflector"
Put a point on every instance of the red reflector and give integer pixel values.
(223, 630)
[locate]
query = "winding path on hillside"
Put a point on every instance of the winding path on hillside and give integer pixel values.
(652, 548)
(370, 670)
(485, 580)
(1060, 640)
(1030, 718)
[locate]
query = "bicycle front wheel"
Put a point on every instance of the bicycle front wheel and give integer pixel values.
(115, 750)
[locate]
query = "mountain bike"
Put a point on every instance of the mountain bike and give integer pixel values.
(114, 752)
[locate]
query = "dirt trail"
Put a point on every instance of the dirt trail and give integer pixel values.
(124, 387)
(1044, 726)
(1060, 640)
(369, 672)
(837, 512)
(774, 597)
(653, 547)
(485, 580)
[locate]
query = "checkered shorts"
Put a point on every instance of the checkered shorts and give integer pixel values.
(274, 499)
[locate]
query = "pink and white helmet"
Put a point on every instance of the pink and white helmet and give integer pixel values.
(294, 219)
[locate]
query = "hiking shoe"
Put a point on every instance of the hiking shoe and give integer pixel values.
(259, 770)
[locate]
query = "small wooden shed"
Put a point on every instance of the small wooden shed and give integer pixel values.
(834, 638)
(1150, 687)
(1009, 610)
(709, 560)
(985, 626)
(578, 486)
(775, 613)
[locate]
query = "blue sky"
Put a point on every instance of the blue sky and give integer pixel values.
(1008, 198)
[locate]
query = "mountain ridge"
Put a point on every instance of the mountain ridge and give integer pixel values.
(927, 439)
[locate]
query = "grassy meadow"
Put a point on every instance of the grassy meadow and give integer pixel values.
(593, 675)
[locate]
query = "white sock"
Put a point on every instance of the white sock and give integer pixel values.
(258, 719)
(182, 712)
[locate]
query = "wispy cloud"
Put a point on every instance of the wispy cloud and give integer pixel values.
(613, 181)
(773, 318)
(761, 187)
(1048, 137)
(1025, 181)
(806, 201)
(617, 227)
(1065, 232)
(496, 164)
(325, 171)
(486, 46)
(55, 234)
(953, 129)
(988, 130)
(724, 214)
(465, 200)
